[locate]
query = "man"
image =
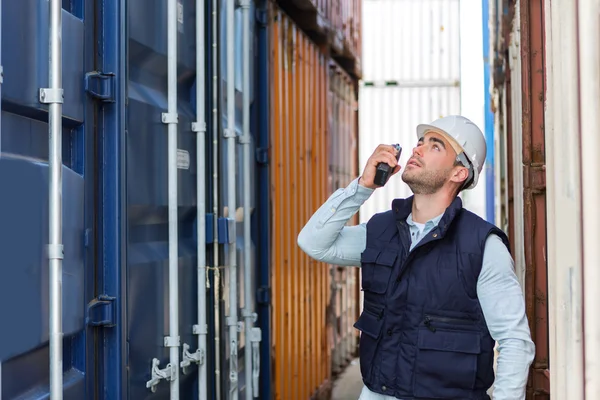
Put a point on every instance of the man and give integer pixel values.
(438, 281)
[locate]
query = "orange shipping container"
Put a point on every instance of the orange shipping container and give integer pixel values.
(337, 22)
(308, 94)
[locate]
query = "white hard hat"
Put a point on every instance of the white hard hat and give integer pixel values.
(466, 139)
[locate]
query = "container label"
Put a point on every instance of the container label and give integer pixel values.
(183, 159)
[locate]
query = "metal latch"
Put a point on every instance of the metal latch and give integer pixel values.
(101, 86)
(167, 373)
(101, 311)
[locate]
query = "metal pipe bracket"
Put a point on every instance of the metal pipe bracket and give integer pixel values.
(51, 96)
(200, 330)
(55, 251)
(231, 322)
(229, 133)
(248, 314)
(199, 127)
(170, 118)
(244, 139)
(171, 341)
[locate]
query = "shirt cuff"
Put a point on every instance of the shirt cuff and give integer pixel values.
(360, 192)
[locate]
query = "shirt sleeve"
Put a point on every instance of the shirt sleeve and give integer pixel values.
(503, 305)
(326, 238)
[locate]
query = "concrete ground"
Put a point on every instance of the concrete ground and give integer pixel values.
(349, 383)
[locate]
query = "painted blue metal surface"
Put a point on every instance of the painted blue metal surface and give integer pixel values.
(24, 274)
(115, 193)
(146, 196)
(489, 116)
(112, 352)
(261, 220)
(24, 352)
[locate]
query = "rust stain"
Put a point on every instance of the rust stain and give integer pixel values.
(534, 190)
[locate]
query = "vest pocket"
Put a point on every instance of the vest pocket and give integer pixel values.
(446, 363)
(369, 324)
(376, 266)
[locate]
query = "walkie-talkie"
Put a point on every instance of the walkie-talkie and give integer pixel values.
(384, 170)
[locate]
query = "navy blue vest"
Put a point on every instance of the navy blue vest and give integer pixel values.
(423, 334)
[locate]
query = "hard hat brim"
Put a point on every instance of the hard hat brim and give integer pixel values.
(422, 129)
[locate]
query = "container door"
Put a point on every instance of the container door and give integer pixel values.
(24, 138)
(135, 192)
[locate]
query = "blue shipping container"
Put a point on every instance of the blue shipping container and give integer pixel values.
(115, 199)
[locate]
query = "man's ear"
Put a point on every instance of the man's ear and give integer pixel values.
(460, 175)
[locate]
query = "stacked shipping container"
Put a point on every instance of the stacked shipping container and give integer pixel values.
(313, 153)
(115, 289)
(546, 97)
(334, 25)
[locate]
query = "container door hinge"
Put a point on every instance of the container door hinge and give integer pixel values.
(101, 311)
(262, 156)
(101, 86)
(263, 295)
(226, 230)
(261, 17)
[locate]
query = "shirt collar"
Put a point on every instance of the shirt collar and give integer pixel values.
(429, 224)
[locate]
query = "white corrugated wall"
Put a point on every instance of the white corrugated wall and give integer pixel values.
(412, 74)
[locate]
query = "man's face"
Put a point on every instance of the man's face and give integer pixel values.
(431, 164)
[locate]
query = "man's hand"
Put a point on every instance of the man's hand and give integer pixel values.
(383, 153)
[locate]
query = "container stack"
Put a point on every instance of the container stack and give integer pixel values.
(314, 67)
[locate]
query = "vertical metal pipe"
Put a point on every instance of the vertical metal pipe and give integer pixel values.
(589, 100)
(172, 341)
(564, 230)
(252, 334)
(53, 96)
(201, 201)
(216, 119)
(232, 320)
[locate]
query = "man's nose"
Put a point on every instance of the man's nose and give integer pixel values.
(418, 150)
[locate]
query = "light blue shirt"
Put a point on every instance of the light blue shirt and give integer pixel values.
(326, 238)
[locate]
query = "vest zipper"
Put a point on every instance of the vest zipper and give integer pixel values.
(428, 324)
(429, 319)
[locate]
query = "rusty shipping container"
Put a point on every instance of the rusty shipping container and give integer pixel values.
(313, 106)
(546, 100)
(343, 168)
(334, 25)
(520, 95)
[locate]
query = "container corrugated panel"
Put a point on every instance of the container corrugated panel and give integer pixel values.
(411, 73)
(343, 169)
(300, 286)
(301, 135)
(24, 178)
